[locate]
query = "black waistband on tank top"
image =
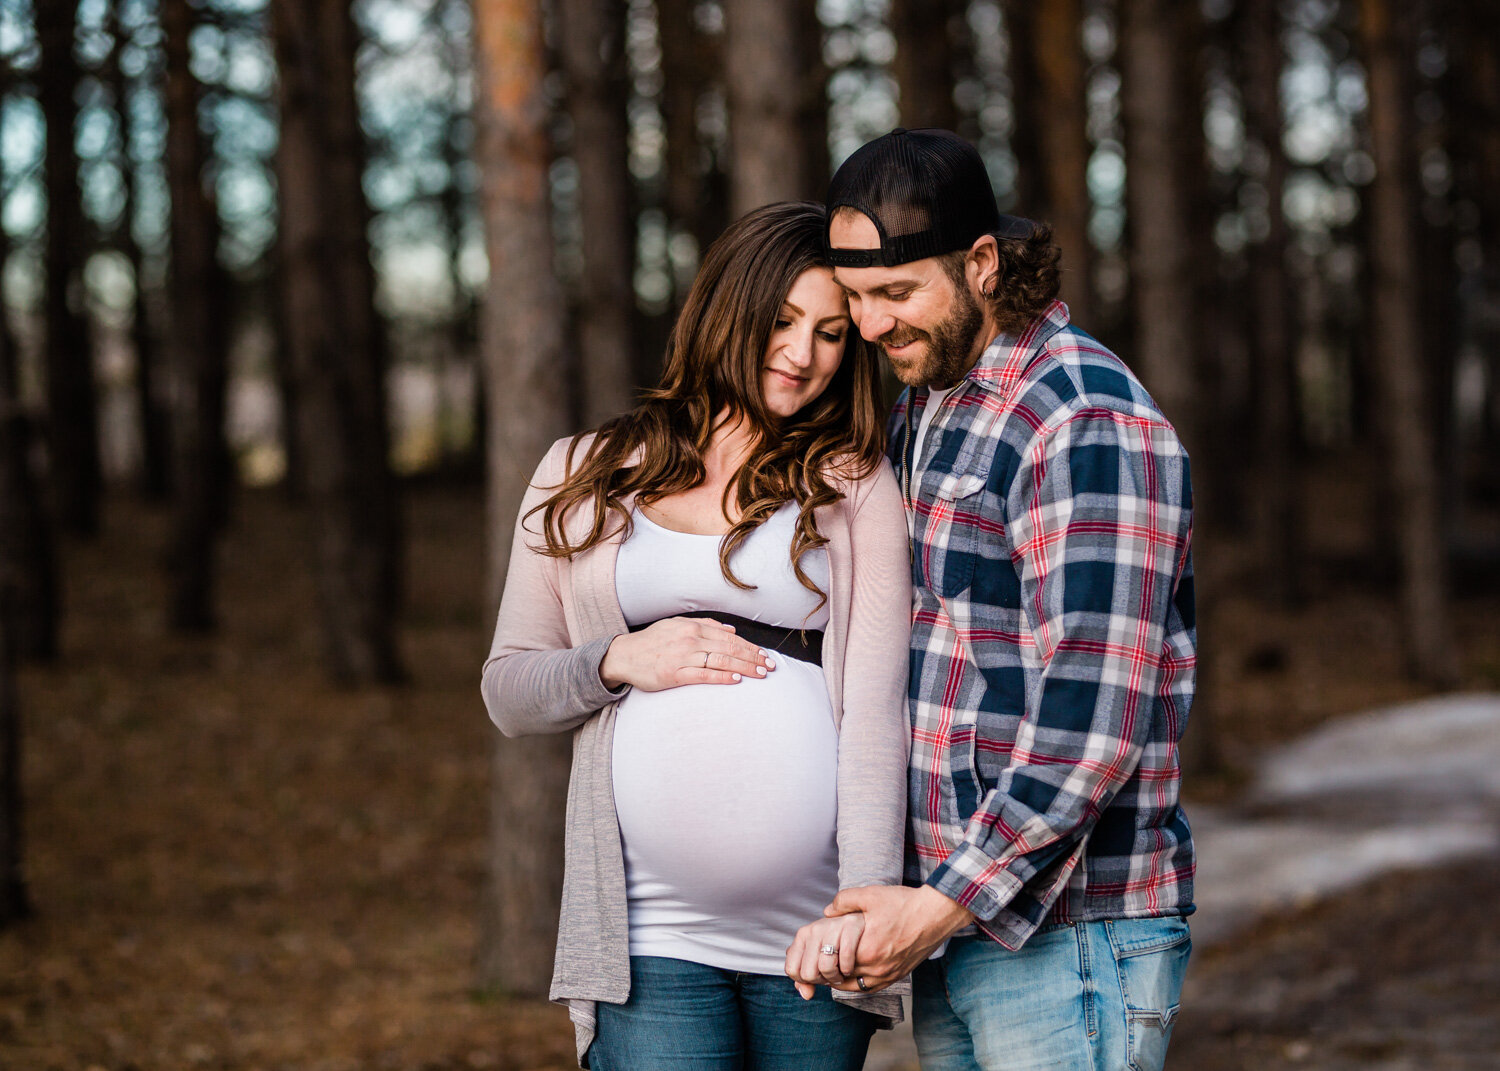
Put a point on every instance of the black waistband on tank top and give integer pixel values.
(805, 644)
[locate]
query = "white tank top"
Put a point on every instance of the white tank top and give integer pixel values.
(726, 794)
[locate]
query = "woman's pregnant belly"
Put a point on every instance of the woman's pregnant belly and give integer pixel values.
(727, 803)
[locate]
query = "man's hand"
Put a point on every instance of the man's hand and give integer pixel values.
(902, 927)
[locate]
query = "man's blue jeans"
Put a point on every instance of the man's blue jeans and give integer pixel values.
(684, 1016)
(1091, 996)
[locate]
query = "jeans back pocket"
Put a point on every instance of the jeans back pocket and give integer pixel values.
(1151, 956)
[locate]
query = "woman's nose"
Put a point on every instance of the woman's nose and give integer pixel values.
(799, 350)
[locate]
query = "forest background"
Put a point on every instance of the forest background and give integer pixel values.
(296, 292)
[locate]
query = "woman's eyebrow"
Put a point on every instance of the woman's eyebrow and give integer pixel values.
(831, 319)
(789, 305)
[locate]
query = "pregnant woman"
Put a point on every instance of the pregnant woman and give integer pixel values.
(711, 592)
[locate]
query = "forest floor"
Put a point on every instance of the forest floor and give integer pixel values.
(236, 865)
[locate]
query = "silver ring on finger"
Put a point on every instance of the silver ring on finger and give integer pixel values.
(705, 659)
(863, 986)
(829, 950)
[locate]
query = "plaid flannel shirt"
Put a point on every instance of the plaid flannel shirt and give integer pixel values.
(1052, 649)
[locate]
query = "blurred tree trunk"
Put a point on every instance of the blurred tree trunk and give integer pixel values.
(14, 903)
(1057, 116)
(593, 59)
(925, 61)
(1481, 126)
(814, 120)
(335, 340)
(151, 414)
(1411, 446)
(72, 408)
(1277, 491)
(771, 87)
(27, 570)
(28, 555)
(521, 336)
(1165, 275)
(696, 188)
(1020, 20)
(198, 339)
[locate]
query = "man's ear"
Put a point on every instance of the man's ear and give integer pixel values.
(983, 264)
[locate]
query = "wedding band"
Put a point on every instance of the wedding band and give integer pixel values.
(863, 988)
(829, 950)
(705, 659)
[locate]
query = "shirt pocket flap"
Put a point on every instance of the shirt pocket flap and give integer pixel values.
(957, 485)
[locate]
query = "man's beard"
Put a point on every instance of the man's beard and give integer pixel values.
(949, 345)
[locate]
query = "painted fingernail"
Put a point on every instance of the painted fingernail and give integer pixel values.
(770, 663)
(761, 670)
(736, 676)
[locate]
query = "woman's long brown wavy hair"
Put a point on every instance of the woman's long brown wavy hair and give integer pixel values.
(713, 367)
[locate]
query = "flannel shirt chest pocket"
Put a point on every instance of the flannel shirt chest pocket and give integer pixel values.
(954, 537)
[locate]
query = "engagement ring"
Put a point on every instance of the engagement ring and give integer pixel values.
(829, 950)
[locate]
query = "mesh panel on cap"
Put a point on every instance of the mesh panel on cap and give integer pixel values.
(926, 191)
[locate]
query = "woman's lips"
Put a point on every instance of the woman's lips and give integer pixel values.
(787, 377)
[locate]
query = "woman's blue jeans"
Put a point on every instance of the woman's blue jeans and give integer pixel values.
(685, 1016)
(1091, 996)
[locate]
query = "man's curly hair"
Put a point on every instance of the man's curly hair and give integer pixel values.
(1027, 280)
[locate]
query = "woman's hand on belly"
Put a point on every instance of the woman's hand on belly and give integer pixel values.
(676, 651)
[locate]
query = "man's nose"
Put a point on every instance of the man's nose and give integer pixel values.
(875, 322)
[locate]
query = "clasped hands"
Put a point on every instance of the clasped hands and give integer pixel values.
(878, 934)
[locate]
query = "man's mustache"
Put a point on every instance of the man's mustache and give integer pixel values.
(900, 337)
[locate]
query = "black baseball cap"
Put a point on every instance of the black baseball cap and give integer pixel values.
(927, 193)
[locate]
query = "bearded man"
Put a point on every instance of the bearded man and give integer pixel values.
(1049, 865)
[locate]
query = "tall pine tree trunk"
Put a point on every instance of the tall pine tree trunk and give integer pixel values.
(14, 903)
(770, 86)
(152, 415)
(1162, 274)
(924, 64)
(593, 57)
(198, 341)
(1411, 446)
(335, 341)
(529, 406)
(1277, 508)
(72, 408)
(1061, 119)
(20, 572)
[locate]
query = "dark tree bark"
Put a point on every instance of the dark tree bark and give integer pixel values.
(1026, 101)
(771, 87)
(151, 414)
(1401, 385)
(696, 189)
(1164, 273)
(1056, 119)
(1277, 494)
(529, 407)
(28, 555)
(335, 340)
(26, 572)
(72, 408)
(197, 339)
(925, 61)
(14, 902)
(593, 59)
(1161, 268)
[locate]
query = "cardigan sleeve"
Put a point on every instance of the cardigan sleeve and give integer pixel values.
(534, 680)
(874, 732)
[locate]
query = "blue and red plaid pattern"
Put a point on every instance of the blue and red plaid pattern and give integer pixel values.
(1052, 651)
